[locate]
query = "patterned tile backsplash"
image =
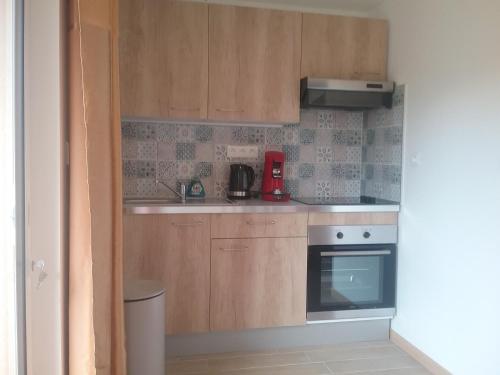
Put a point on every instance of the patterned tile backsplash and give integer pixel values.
(382, 150)
(329, 153)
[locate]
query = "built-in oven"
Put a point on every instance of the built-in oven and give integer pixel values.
(351, 272)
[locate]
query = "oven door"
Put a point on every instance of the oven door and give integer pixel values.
(351, 281)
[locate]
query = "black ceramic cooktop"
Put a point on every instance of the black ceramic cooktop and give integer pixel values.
(363, 200)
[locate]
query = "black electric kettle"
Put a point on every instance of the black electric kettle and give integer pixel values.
(241, 179)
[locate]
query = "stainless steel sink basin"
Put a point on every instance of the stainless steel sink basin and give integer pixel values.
(176, 202)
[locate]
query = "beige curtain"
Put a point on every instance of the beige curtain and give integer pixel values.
(96, 331)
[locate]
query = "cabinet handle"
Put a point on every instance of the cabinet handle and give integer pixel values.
(250, 222)
(187, 224)
(233, 249)
(184, 109)
(228, 110)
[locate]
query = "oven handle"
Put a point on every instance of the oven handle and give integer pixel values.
(354, 253)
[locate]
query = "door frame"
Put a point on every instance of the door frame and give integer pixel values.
(45, 186)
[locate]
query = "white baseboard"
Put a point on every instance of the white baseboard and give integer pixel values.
(417, 354)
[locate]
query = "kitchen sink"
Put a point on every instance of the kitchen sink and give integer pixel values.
(177, 202)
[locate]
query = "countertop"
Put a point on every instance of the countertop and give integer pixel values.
(214, 206)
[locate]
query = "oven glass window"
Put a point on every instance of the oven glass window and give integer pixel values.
(347, 280)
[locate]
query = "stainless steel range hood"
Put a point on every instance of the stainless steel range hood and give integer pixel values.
(343, 94)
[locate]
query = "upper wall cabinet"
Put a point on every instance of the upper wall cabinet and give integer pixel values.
(254, 64)
(344, 47)
(163, 59)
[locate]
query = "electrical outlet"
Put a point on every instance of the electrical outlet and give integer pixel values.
(242, 152)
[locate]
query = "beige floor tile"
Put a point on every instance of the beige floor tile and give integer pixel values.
(399, 371)
(305, 369)
(361, 344)
(217, 365)
(341, 353)
(371, 364)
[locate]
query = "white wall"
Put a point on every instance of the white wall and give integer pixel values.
(448, 54)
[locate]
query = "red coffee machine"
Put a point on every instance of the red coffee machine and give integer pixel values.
(273, 183)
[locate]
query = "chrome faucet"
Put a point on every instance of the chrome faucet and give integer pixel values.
(181, 194)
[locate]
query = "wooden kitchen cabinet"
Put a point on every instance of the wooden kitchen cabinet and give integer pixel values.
(344, 47)
(174, 249)
(254, 64)
(259, 282)
(259, 225)
(163, 59)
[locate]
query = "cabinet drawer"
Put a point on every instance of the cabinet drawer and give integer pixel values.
(257, 283)
(353, 218)
(259, 225)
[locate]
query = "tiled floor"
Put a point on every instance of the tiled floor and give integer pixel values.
(375, 358)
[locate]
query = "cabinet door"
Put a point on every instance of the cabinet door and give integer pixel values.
(254, 64)
(174, 249)
(139, 58)
(344, 47)
(164, 59)
(258, 283)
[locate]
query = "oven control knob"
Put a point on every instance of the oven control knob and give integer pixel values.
(340, 235)
(366, 235)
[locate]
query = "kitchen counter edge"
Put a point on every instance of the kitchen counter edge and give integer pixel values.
(292, 207)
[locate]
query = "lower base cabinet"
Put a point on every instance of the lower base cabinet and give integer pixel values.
(257, 283)
(174, 249)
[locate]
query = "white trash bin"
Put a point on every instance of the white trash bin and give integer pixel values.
(145, 327)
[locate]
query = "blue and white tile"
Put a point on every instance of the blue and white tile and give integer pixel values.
(146, 150)
(146, 187)
(308, 153)
(130, 187)
(239, 135)
(307, 189)
(205, 151)
(291, 170)
(292, 153)
(324, 137)
(324, 189)
(145, 131)
(221, 153)
(306, 170)
(166, 151)
(307, 136)
(184, 133)
(292, 186)
(165, 133)
(203, 133)
(274, 136)
(203, 169)
(185, 151)
(399, 95)
(291, 136)
(326, 119)
(185, 169)
(167, 170)
(354, 120)
(257, 136)
(222, 135)
(324, 154)
(308, 118)
(129, 148)
(353, 137)
(393, 136)
(353, 155)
